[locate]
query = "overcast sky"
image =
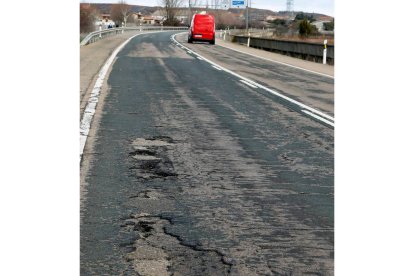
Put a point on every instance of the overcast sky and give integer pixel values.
(318, 6)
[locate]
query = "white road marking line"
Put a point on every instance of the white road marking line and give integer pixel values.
(90, 109)
(249, 84)
(216, 67)
(279, 62)
(317, 117)
(200, 58)
(265, 88)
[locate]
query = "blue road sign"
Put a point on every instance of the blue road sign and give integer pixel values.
(237, 3)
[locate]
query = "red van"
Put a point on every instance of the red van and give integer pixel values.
(202, 28)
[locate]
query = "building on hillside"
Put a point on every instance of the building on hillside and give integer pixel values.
(105, 16)
(105, 21)
(105, 24)
(148, 20)
(159, 16)
(135, 16)
(180, 14)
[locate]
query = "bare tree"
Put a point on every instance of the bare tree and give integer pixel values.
(171, 7)
(195, 3)
(215, 4)
(88, 15)
(120, 12)
(225, 19)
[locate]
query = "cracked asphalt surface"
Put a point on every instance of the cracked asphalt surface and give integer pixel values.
(188, 171)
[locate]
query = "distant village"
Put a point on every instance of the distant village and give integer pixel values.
(230, 18)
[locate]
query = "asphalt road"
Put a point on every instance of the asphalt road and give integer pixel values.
(189, 171)
(311, 89)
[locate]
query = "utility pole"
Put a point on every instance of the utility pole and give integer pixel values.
(189, 12)
(247, 15)
(289, 8)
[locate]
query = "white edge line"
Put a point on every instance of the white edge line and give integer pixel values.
(200, 58)
(216, 67)
(249, 84)
(263, 87)
(279, 62)
(319, 118)
(87, 117)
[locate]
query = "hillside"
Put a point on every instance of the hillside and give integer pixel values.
(254, 14)
(317, 16)
(145, 10)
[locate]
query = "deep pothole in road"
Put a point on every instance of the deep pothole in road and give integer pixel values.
(150, 159)
(156, 251)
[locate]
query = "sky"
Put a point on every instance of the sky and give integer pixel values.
(317, 6)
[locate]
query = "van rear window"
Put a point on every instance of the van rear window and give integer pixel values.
(204, 19)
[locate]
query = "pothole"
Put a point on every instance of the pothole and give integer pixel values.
(149, 194)
(156, 141)
(158, 252)
(150, 157)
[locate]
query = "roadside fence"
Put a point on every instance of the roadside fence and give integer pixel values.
(98, 35)
(305, 50)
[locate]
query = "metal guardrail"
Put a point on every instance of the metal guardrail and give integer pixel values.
(304, 50)
(250, 30)
(97, 35)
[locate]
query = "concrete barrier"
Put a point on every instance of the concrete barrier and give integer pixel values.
(305, 50)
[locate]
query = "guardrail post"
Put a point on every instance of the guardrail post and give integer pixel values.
(324, 51)
(100, 30)
(248, 41)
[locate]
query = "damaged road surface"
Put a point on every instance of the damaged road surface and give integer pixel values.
(188, 171)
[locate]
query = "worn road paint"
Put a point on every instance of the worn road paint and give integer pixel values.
(318, 118)
(215, 67)
(249, 84)
(301, 105)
